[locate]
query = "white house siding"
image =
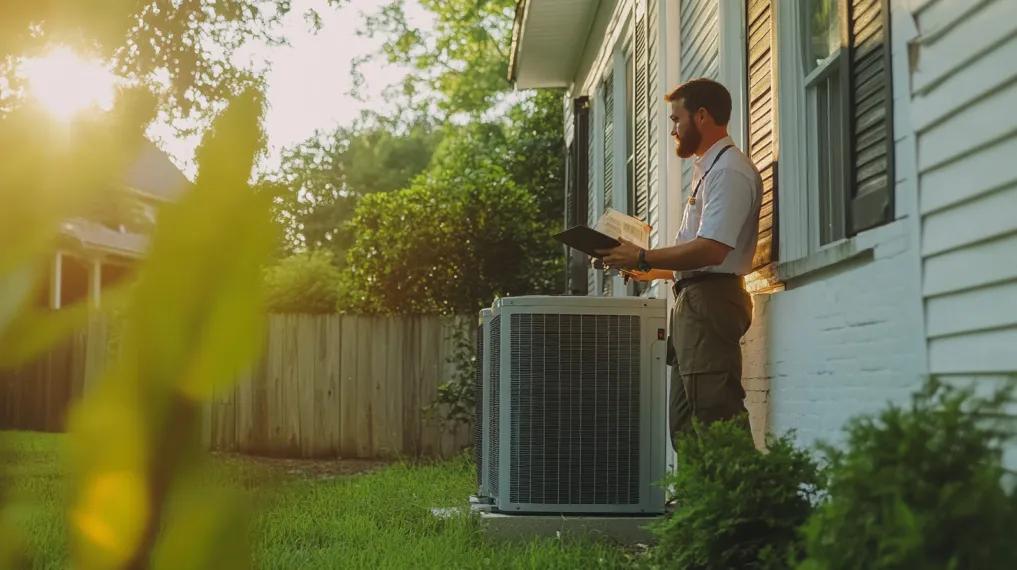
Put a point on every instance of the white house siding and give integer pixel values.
(964, 87)
(699, 53)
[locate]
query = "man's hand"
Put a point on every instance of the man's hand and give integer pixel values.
(648, 276)
(624, 256)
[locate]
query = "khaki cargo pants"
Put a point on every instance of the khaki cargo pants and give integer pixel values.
(707, 324)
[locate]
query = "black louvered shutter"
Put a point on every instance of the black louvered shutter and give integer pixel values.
(608, 142)
(761, 119)
(640, 201)
(871, 197)
(577, 193)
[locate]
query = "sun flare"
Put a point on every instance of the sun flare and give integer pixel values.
(66, 84)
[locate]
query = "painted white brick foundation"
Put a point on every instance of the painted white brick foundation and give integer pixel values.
(838, 343)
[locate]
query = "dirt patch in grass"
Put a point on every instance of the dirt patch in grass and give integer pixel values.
(304, 468)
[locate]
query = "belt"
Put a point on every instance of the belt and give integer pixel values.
(706, 276)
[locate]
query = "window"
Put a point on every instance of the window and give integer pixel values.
(836, 122)
(826, 99)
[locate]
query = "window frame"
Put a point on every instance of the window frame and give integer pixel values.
(799, 249)
(802, 194)
(827, 193)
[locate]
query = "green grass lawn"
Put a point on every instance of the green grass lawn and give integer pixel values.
(309, 519)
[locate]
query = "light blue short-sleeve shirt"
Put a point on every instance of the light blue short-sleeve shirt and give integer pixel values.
(726, 208)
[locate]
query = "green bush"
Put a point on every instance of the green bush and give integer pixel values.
(736, 507)
(919, 488)
(461, 235)
(303, 283)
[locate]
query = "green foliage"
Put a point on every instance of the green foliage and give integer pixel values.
(193, 318)
(190, 320)
(736, 507)
(456, 397)
(535, 151)
(463, 58)
(920, 487)
(481, 216)
(305, 282)
(320, 181)
(460, 235)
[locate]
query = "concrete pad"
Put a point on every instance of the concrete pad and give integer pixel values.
(622, 529)
(481, 505)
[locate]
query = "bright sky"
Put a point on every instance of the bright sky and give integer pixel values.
(309, 79)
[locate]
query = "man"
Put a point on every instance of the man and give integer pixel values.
(713, 251)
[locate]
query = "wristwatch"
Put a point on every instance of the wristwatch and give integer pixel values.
(641, 264)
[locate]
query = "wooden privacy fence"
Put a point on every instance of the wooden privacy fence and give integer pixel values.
(37, 395)
(341, 385)
(324, 386)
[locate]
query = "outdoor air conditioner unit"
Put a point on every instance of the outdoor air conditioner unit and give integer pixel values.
(482, 395)
(577, 410)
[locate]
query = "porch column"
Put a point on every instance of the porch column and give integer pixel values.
(55, 278)
(95, 282)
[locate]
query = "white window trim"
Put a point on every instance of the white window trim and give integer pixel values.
(596, 119)
(731, 65)
(620, 195)
(798, 207)
(796, 263)
(670, 184)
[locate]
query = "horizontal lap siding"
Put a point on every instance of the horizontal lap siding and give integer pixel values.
(967, 78)
(699, 45)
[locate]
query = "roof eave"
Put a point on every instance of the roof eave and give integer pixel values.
(536, 37)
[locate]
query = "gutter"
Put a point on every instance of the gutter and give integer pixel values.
(522, 6)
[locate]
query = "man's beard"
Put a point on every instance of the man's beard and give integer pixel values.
(688, 144)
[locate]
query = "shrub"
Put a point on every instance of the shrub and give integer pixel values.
(919, 488)
(303, 283)
(736, 507)
(455, 403)
(449, 244)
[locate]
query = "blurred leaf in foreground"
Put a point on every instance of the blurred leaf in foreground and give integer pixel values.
(193, 318)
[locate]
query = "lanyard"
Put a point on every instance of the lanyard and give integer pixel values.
(692, 198)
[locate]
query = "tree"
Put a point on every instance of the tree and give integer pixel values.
(463, 57)
(328, 190)
(321, 179)
(536, 151)
(306, 282)
(462, 233)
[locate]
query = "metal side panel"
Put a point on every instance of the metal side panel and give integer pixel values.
(484, 363)
(478, 410)
(654, 429)
(495, 416)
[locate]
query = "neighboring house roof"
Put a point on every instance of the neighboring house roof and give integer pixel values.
(154, 175)
(548, 38)
(97, 237)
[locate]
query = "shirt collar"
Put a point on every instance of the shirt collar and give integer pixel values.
(710, 155)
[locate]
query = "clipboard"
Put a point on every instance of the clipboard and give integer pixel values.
(586, 240)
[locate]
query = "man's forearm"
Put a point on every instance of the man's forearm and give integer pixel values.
(687, 256)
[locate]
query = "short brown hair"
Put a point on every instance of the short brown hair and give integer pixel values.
(705, 93)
